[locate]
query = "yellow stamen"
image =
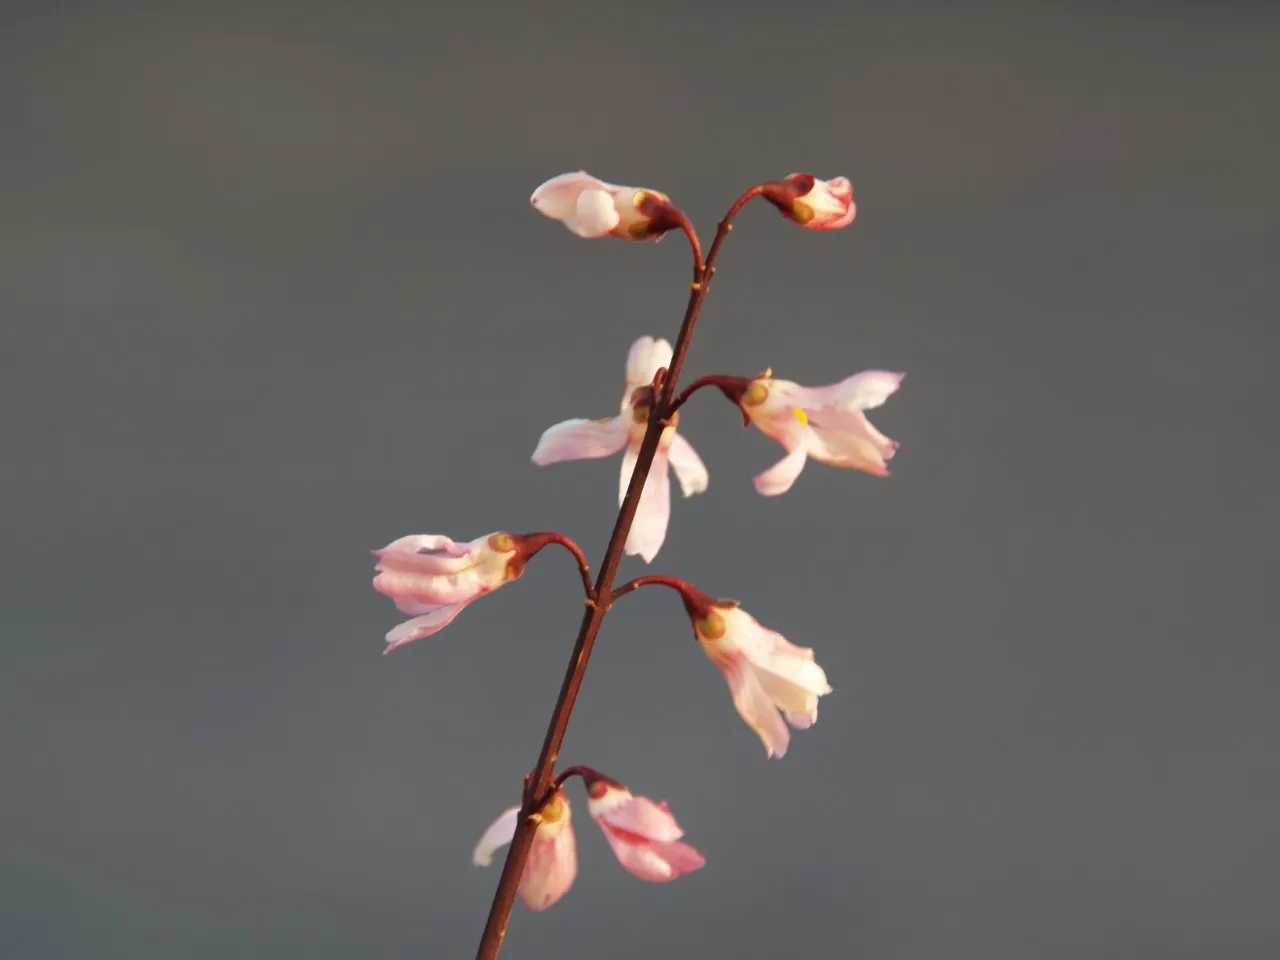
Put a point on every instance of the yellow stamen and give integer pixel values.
(800, 415)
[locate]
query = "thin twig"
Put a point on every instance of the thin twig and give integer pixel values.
(541, 777)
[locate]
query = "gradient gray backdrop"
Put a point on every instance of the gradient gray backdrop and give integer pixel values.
(271, 294)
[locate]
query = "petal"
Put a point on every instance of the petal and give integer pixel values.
(424, 588)
(640, 817)
(421, 542)
(751, 701)
(688, 466)
(498, 834)
(779, 478)
(423, 626)
(558, 197)
(551, 867)
(867, 390)
(649, 528)
(580, 440)
(844, 448)
(655, 862)
(769, 651)
(643, 360)
(433, 564)
(797, 704)
(595, 215)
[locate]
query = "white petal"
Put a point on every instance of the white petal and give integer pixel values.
(498, 835)
(688, 466)
(779, 478)
(868, 390)
(649, 529)
(558, 197)
(595, 215)
(422, 626)
(580, 440)
(799, 704)
(643, 360)
(754, 706)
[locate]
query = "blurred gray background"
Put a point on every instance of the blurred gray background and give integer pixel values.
(271, 295)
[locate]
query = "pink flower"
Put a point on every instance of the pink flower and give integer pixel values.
(814, 204)
(823, 423)
(643, 835)
(592, 208)
(553, 858)
(765, 672)
(433, 578)
(587, 439)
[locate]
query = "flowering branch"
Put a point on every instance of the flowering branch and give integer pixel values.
(775, 685)
(541, 777)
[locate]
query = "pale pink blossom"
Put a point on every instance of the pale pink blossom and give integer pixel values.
(587, 439)
(643, 834)
(433, 578)
(814, 204)
(592, 208)
(553, 857)
(769, 677)
(826, 424)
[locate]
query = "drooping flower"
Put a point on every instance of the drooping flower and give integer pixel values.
(823, 423)
(814, 204)
(592, 208)
(766, 673)
(589, 439)
(553, 858)
(433, 578)
(643, 834)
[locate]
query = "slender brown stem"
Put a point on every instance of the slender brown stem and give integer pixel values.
(544, 537)
(732, 387)
(586, 773)
(694, 242)
(650, 579)
(541, 777)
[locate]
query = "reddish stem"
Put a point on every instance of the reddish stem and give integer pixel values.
(540, 778)
(732, 387)
(588, 776)
(694, 242)
(531, 543)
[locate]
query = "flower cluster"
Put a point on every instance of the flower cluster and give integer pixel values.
(774, 684)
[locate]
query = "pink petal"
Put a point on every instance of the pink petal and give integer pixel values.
(498, 834)
(649, 528)
(430, 588)
(420, 542)
(423, 626)
(558, 197)
(844, 448)
(770, 652)
(642, 818)
(780, 477)
(552, 864)
(655, 862)
(752, 702)
(644, 358)
(409, 561)
(688, 466)
(580, 440)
